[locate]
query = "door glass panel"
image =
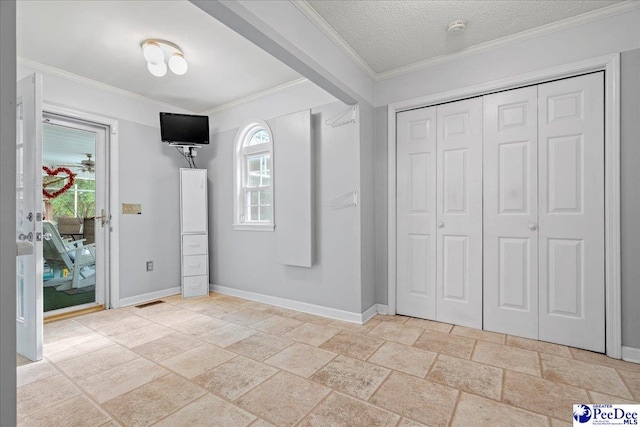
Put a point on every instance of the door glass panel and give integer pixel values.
(20, 208)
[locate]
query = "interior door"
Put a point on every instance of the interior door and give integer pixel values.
(459, 207)
(29, 326)
(511, 212)
(571, 195)
(416, 211)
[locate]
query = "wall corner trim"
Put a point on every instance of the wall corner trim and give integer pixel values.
(382, 308)
(318, 310)
(124, 302)
(631, 354)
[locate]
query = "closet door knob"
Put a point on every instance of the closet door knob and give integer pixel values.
(441, 225)
(532, 226)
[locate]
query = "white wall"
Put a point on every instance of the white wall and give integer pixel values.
(246, 260)
(367, 209)
(7, 213)
(148, 174)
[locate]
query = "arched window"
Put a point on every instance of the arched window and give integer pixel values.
(253, 177)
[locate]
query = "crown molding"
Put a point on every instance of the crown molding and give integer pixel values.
(308, 11)
(585, 18)
(37, 66)
(255, 96)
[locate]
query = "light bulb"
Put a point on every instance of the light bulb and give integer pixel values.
(157, 70)
(153, 53)
(178, 64)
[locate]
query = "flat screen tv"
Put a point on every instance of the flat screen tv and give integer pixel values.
(184, 129)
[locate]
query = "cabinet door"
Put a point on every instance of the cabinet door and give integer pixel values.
(193, 200)
(416, 212)
(459, 206)
(511, 212)
(571, 194)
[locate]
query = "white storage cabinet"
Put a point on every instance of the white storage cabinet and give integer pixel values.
(194, 235)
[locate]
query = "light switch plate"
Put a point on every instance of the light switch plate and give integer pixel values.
(132, 209)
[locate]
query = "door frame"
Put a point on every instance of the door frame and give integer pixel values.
(112, 241)
(610, 64)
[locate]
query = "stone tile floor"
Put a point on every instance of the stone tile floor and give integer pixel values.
(224, 361)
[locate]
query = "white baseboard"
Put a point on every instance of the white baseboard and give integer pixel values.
(318, 310)
(150, 296)
(369, 313)
(631, 354)
(382, 308)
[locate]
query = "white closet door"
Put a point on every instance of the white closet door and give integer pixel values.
(459, 206)
(416, 210)
(511, 212)
(571, 197)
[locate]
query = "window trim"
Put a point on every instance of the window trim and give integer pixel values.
(241, 151)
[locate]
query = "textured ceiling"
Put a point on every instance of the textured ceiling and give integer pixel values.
(100, 40)
(392, 34)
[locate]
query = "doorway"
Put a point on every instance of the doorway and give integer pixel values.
(75, 199)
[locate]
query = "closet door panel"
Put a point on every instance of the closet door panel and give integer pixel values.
(511, 212)
(459, 206)
(416, 181)
(571, 193)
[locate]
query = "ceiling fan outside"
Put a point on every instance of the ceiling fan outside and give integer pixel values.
(86, 165)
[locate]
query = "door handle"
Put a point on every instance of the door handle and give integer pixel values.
(104, 218)
(28, 237)
(441, 225)
(533, 226)
(47, 236)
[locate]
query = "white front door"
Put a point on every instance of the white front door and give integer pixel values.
(416, 207)
(29, 324)
(571, 213)
(459, 217)
(511, 212)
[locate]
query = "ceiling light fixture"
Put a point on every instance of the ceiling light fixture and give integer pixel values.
(160, 52)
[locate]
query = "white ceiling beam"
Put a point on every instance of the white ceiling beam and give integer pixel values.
(281, 30)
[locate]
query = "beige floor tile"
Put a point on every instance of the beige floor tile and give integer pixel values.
(283, 399)
(301, 359)
(220, 310)
(261, 423)
(480, 412)
(340, 410)
(468, 376)
(277, 325)
(142, 335)
(478, 334)
(352, 376)
(75, 412)
(33, 372)
(75, 347)
(391, 318)
(64, 329)
(354, 327)
(572, 372)
(396, 332)
(21, 360)
(439, 342)
(604, 360)
(254, 305)
(246, 317)
(539, 346)
(200, 325)
(280, 311)
(228, 299)
(311, 334)
(415, 398)
(260, 346)
(234, 378)
(153, 401)
(96, 362)
(174, 317)
(210, 411)
(224, 336)
(595, 397)
(539, 395)
(122, 325)
(43, 394)
(503, 356)
(632, 381)
(312, 318)
(558, 423)
(121, 379)
(166, 347)
(410, 423)
(198, 360)
(403, 358)
(429, 324)
(358, 346)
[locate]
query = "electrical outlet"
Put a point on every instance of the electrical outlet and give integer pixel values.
(149, 265)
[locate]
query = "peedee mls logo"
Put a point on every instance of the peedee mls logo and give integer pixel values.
(605, 415)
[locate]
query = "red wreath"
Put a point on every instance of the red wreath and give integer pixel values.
(70, 175)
